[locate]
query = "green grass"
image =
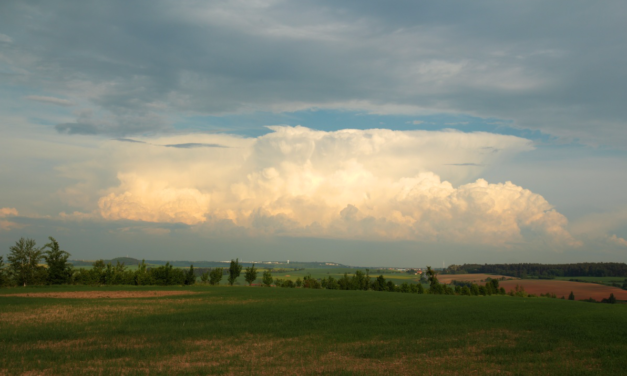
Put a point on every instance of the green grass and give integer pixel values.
(337, 273)
(241, 330)
(599, 280)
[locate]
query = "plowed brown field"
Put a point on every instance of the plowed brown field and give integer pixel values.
(476, 278)
(581, 290)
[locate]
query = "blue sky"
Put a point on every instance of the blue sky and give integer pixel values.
(454, 132)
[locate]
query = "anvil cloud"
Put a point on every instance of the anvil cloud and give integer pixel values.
(374, 184)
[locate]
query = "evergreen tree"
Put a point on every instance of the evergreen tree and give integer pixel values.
(24, 259)
(251, 274)
(215, 276)
(571, 296)
(267, 278)
(59, 270)
(235, 269)
(612, 299)
(190, 278)
(380, 283)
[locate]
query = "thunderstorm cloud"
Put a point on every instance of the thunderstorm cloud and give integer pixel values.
(374, 184)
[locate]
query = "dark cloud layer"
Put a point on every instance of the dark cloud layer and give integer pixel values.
(556, 66)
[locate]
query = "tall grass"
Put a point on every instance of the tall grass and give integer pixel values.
(238, 330)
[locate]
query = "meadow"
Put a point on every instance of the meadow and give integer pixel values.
(601, 280)
(265, 331)
(319, 273)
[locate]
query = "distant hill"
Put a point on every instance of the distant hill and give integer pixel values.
(128, 261)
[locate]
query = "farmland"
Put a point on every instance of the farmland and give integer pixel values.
(581, 290)
(600, 280)
(476, 278)
(242, 330)
(396, 277)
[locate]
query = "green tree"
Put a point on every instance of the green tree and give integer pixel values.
(215, 276)
(359, 281)
(24, 259)
(432, 277)
(204, 277)
(190, 277)
(142, 277)
(380, 284)
(98, 272)
(332, 284)
(235, 269)
(251, 274)
(267, 278)
(611, 299)
(405, 287)
(3, 277)
(571, 296)
(59, 270)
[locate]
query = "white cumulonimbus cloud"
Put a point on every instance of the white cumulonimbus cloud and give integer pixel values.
(370, 184)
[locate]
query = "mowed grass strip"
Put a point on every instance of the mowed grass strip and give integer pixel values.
(222, 330)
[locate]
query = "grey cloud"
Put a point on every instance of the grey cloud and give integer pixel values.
(120, 124)
(77, 128)
(179, 146)
(5, 39)
(129, 140)
(194, 145)
(529, 62)
(50, 100)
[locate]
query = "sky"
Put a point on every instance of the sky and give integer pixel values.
(359, 132)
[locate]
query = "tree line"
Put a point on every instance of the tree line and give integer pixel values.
(25, 268)
(591, 269)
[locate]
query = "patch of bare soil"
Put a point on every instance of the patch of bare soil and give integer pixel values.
(581, 290)
(101, 294)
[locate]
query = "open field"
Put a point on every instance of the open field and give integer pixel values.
(266, 331)
(581, 290)
(100, 294)
(600, 280)
(476, 278)
(336, 273)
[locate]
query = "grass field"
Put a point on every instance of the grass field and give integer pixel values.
(336, 273)
(257, 331)
(476, 278)
(600, 280)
